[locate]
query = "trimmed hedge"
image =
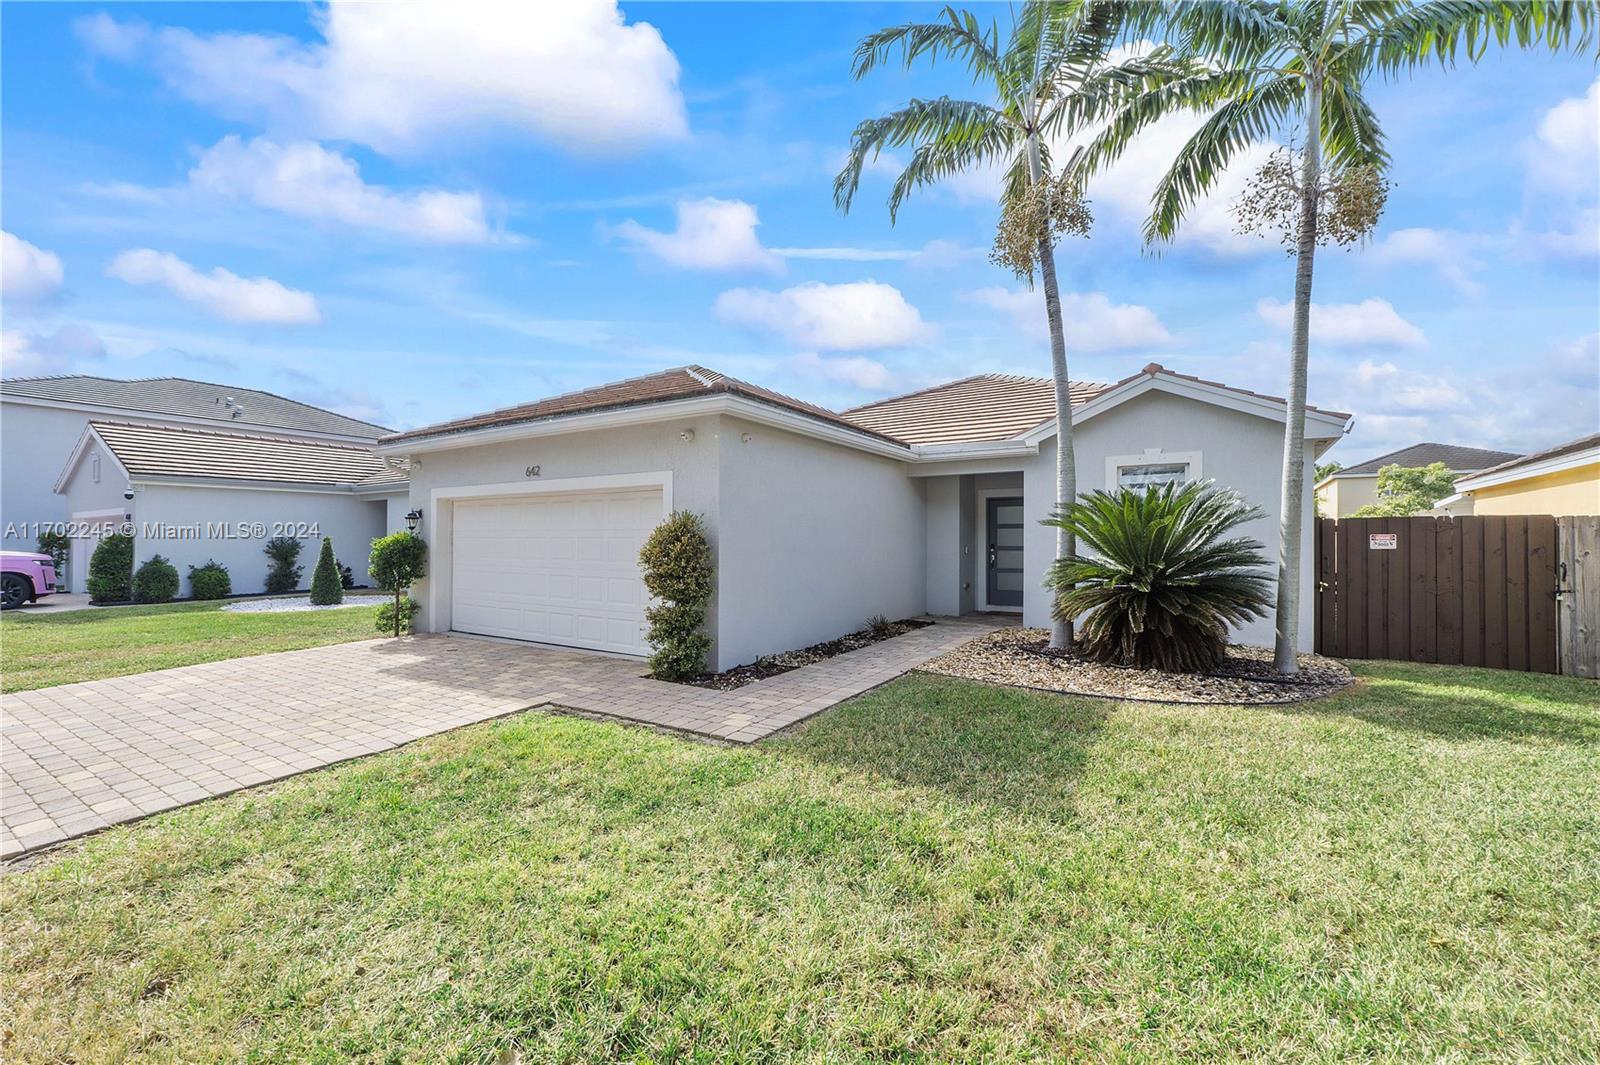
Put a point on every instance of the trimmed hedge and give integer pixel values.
(210, 581)
(111, 570)
(156, 581)
(678, 572)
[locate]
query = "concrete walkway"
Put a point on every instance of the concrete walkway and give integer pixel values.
(79, 757)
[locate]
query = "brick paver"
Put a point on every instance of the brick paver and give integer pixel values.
(80, 757)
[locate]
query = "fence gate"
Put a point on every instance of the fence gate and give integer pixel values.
(1475, 591)
(1578, 604)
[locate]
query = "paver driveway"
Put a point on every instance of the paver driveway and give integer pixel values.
(79, 757)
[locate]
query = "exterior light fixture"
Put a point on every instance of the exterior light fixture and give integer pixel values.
(687, 436)
(413, 519)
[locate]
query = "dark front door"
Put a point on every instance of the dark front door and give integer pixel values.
(1004, 518)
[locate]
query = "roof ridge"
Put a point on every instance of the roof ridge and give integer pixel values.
(193, 381)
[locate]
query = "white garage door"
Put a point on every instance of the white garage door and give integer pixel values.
(560, 569)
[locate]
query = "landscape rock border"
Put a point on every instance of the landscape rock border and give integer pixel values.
(1017, 657)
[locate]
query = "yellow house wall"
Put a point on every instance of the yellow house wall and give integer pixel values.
(1564, 492)
(1340, 496)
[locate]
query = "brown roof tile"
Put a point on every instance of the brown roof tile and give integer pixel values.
(1583, 443)
(684, 382)
(164, 451)
(973, 409)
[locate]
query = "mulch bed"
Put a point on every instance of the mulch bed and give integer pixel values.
(1021, 658)
(772, 665)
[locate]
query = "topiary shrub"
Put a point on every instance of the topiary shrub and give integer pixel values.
(399, 616)
(679, 574)
(1163, 584)
(283, 569)
(156, 581)
(111, 570)
(397, 562)
(325, 587)
(210, 581)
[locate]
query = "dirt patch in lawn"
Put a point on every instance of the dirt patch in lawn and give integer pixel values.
(772, 665)
(1021, 657)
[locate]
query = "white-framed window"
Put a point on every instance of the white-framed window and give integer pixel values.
(1151, 467)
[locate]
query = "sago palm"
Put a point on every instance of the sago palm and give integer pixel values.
(1164, 581)
(1041, 83)
(1300, 67)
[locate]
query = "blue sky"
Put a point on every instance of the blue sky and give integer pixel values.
(407, 215)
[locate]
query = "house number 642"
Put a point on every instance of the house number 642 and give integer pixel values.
(532, 471)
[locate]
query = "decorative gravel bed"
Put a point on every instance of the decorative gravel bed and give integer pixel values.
(297, 602)
(1020, 657)
(772, 665)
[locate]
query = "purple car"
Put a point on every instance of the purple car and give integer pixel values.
(24, 577)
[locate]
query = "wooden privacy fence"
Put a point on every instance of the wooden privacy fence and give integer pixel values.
(1578, 606)
(1476, 591)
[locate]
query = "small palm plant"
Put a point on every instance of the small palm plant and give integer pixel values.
(1164, 581)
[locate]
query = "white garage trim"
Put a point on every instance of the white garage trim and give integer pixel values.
(441, 521)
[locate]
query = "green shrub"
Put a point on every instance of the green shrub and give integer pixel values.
(325, 587)
(397, 617)
(111, 570)
(678, 573)
(397, 562)
(1163, 584)
(347, 576)
(156, 581)
(210, 581)
(283, 569)
(57, 545)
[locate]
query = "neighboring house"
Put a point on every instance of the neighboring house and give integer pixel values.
(1559, 480)
(925, 503)
(43, 419)
(1345, 491)
(196, 494)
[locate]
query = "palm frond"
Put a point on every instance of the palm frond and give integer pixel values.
(960, 36)
(1351, 134)
(1444, 30)
(944, 133)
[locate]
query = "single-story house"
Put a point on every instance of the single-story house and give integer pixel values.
(1562, 480)
(42, 420)
(925, 503)
(1350, 488)
(192, 495)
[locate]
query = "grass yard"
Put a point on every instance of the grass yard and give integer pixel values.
(935, 871)
(43, 650)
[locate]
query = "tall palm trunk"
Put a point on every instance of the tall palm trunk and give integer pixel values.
(1292, 503)
(1066, 462)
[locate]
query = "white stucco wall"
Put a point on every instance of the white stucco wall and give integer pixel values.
(814, 539)
(83, 496)
(564, 458)
(34, 445)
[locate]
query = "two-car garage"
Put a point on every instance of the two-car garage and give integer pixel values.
(554, 567)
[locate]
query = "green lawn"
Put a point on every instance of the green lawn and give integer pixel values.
(935, 871)
(42, 650)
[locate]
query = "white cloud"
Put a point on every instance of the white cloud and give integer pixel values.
(28, 273)
(1372, 322)
(308, 181)
(1566, 151)
(227, 295)
(712, 234)
(848, 317)
(938, 254)
(1090, 320)
(36, 354)
(1450, 254)
(868, 374)
(399, 77)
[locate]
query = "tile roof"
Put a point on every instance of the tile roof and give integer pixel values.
(1154, 368)
(1456, 457)
(683, 382)
(179, 396)
(393, 473)
(165, 451)
(1583, 443)
(984, 407)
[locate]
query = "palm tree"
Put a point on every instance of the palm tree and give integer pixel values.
(1263, 66)
(1043, 81)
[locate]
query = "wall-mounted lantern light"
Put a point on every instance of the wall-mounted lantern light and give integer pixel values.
(413, 519)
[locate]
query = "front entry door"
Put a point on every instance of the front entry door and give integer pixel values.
(1004, 520)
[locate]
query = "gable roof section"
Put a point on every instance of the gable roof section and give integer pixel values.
(985, 407)
(1572, 454)
(185, 398)
(1457, 458)
(165, 451)
(683, 382)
